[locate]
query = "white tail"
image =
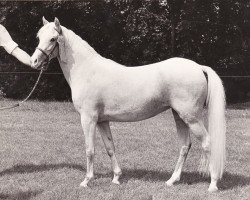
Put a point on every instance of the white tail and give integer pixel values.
(216, 122)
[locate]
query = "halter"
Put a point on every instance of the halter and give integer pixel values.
(47, 59)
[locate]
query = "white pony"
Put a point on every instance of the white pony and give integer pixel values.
(104, 91)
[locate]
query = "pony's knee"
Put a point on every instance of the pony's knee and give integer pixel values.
(206, 149)
(184, 150)
(90, 153)
(206, 145)
(110, 152)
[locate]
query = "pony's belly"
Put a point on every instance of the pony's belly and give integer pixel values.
(132, 114)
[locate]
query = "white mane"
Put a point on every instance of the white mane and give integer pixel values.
(73, 39)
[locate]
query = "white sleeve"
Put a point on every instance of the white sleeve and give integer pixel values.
(6, 40)
(2, 30)
(10, 46)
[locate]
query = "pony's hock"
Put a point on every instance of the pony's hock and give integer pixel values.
(104, 91)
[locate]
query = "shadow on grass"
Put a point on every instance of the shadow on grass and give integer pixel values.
(144, 174)
(20, 195)
(228, 181)
(30, 168)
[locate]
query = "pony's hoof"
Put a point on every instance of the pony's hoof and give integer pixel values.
(84, 185)
(169, 183)
(86, 181)
(212, 189)
(116, 182)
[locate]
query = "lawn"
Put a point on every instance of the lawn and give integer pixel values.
(42, 156)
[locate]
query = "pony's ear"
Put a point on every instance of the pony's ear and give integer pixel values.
(57, 23)
(45, 21)
(62, 50)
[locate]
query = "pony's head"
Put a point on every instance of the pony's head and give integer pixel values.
(50, 41)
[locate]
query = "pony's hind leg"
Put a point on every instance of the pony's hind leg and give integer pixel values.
(198, 129)
(185, 143)
(105, 132)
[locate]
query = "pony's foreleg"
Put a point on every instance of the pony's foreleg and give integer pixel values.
(89, 129)
(105, 132)
(185, 143)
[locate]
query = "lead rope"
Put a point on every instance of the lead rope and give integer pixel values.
(31, 92)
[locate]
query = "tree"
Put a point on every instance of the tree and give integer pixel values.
(134, 32)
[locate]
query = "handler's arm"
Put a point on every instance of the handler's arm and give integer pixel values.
(21, 55)
(11, 47)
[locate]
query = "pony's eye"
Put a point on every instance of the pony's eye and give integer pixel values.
(52, 40)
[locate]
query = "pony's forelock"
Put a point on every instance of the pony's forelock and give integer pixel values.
(45, 27)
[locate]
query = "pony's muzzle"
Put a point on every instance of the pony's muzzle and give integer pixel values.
(34, 63)
(37, 61)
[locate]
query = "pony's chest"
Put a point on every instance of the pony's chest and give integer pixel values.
(84, 97)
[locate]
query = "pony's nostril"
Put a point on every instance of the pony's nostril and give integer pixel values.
(34, 62)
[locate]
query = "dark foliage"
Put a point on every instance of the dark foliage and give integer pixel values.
(134, 32)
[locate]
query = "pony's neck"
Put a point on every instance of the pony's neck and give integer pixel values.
(79, 55)
(76, 42)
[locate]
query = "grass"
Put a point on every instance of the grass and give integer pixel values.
(42, 157)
